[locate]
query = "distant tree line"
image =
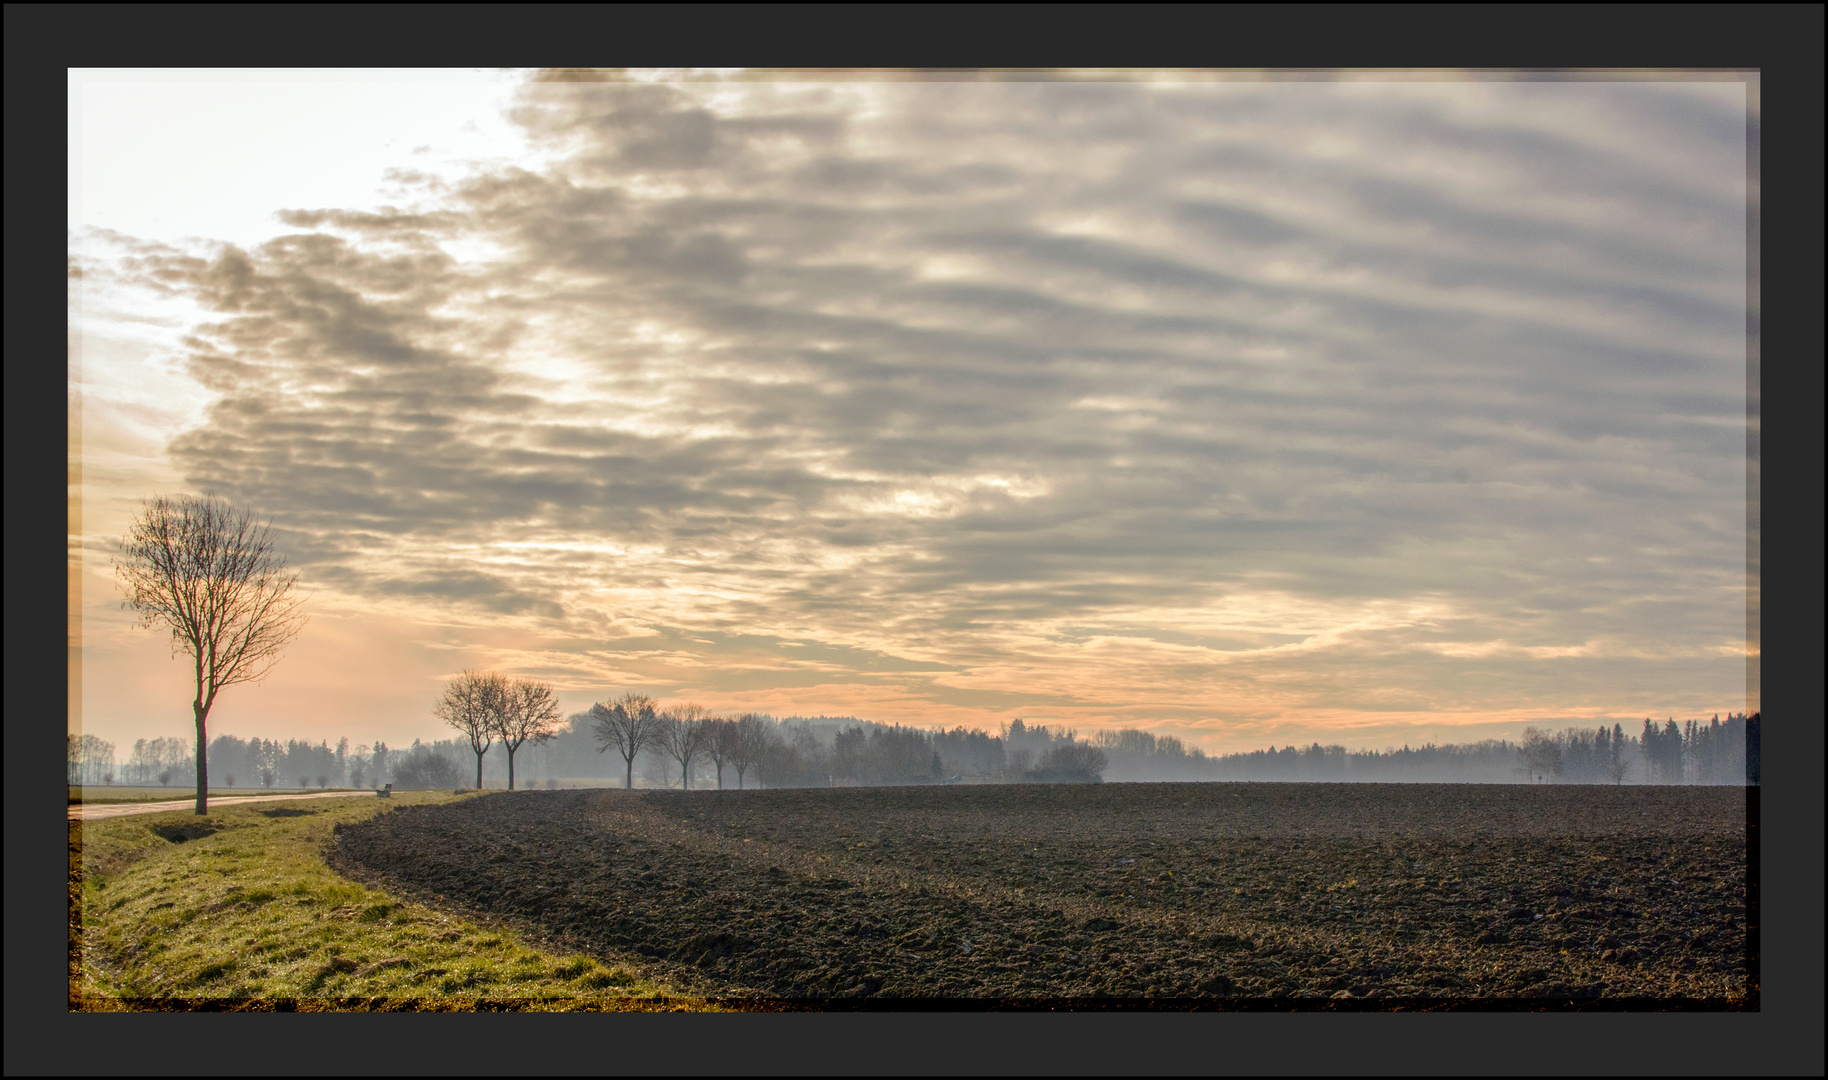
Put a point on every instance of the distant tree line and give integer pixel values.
(90, 760)
(680, 744)
(671, 742)
(1694, 752)
(159, 761)
(268, 763)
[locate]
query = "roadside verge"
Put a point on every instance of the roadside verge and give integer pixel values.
(239, 911)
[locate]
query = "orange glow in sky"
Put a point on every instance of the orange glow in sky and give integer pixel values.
(1364, 411)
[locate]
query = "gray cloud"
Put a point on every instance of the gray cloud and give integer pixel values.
(922, 369)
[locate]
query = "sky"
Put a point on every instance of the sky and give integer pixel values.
(1253, 410)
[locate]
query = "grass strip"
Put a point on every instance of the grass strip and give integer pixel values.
(239, 911)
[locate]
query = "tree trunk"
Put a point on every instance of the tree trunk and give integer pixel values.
(631, 771)
(510, 768)
(202, 715)
(479, 770)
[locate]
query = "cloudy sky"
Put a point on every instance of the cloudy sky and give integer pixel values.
(1249, 410)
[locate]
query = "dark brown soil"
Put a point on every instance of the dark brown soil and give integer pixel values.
(1367, 895)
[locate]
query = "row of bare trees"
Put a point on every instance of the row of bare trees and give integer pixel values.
(686, 733)
(489, 707)
(90, 760)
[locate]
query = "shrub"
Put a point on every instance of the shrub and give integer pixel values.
(1070, 763)
(424, 767)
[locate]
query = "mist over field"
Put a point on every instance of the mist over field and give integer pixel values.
(846, 752)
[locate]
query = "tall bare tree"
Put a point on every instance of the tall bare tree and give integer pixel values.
(721, 737)
(629, 724)
(473, 703)
(211, 573)
(748, 739)
(683, 734)
(529, 713)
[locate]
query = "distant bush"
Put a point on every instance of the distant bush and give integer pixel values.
(1069, 763)
(424, 767)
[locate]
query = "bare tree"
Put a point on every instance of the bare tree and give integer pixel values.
(629, 724)
(747, 738)
(211, 574)
(657, 769)
(1618, 766)
(721, 739)
(529, 713)
(473, 703)
(1541, 754)
(683, 735)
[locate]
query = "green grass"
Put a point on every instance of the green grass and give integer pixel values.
(238, 910)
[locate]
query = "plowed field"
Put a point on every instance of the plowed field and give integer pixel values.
(1223, 895)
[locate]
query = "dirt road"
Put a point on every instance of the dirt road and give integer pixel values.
(93, 811)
